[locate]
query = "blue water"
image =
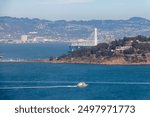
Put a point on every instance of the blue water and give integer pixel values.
(46, 81)
(32, 51)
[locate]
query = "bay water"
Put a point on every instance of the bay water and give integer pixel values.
(47, 81)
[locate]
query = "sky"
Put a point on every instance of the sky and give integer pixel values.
(75, 9)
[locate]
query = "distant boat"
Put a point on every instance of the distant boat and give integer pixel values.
(82, 84)
(1, 56)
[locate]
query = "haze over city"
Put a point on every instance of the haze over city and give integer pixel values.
(75, 9)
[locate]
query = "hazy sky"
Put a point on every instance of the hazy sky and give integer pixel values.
(75, 9)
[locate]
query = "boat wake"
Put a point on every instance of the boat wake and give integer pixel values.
(39, 87)
(50, 82)
(65, 84)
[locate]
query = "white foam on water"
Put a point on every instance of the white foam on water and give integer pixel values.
(39, 82)
(39, 87)
(65, 86)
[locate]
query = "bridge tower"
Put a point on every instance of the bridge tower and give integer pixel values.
(86, 43)
(95, 36)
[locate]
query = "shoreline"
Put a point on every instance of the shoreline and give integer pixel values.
(66, 62)
(25, 61)
(100, 63)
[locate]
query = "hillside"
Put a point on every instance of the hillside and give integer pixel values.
(13, 28)
(129, 50)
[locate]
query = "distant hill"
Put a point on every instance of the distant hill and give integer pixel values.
(130, 50)
(13, 28)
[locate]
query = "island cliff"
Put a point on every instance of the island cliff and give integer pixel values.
(129, 50)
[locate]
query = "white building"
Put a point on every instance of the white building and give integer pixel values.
(24, 38)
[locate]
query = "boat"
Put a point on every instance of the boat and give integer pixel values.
(82, 84)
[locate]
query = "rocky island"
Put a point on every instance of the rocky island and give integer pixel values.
(129, 50)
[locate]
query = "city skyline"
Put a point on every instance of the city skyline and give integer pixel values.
(75, 9)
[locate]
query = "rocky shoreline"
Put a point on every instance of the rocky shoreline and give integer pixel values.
(114, 61)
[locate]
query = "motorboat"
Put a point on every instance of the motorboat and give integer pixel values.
(82, 84)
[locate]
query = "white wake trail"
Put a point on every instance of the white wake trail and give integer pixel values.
(65, 86)
(39, 87)
(58, 82)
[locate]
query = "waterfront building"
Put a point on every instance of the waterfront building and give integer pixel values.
(24, 38)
